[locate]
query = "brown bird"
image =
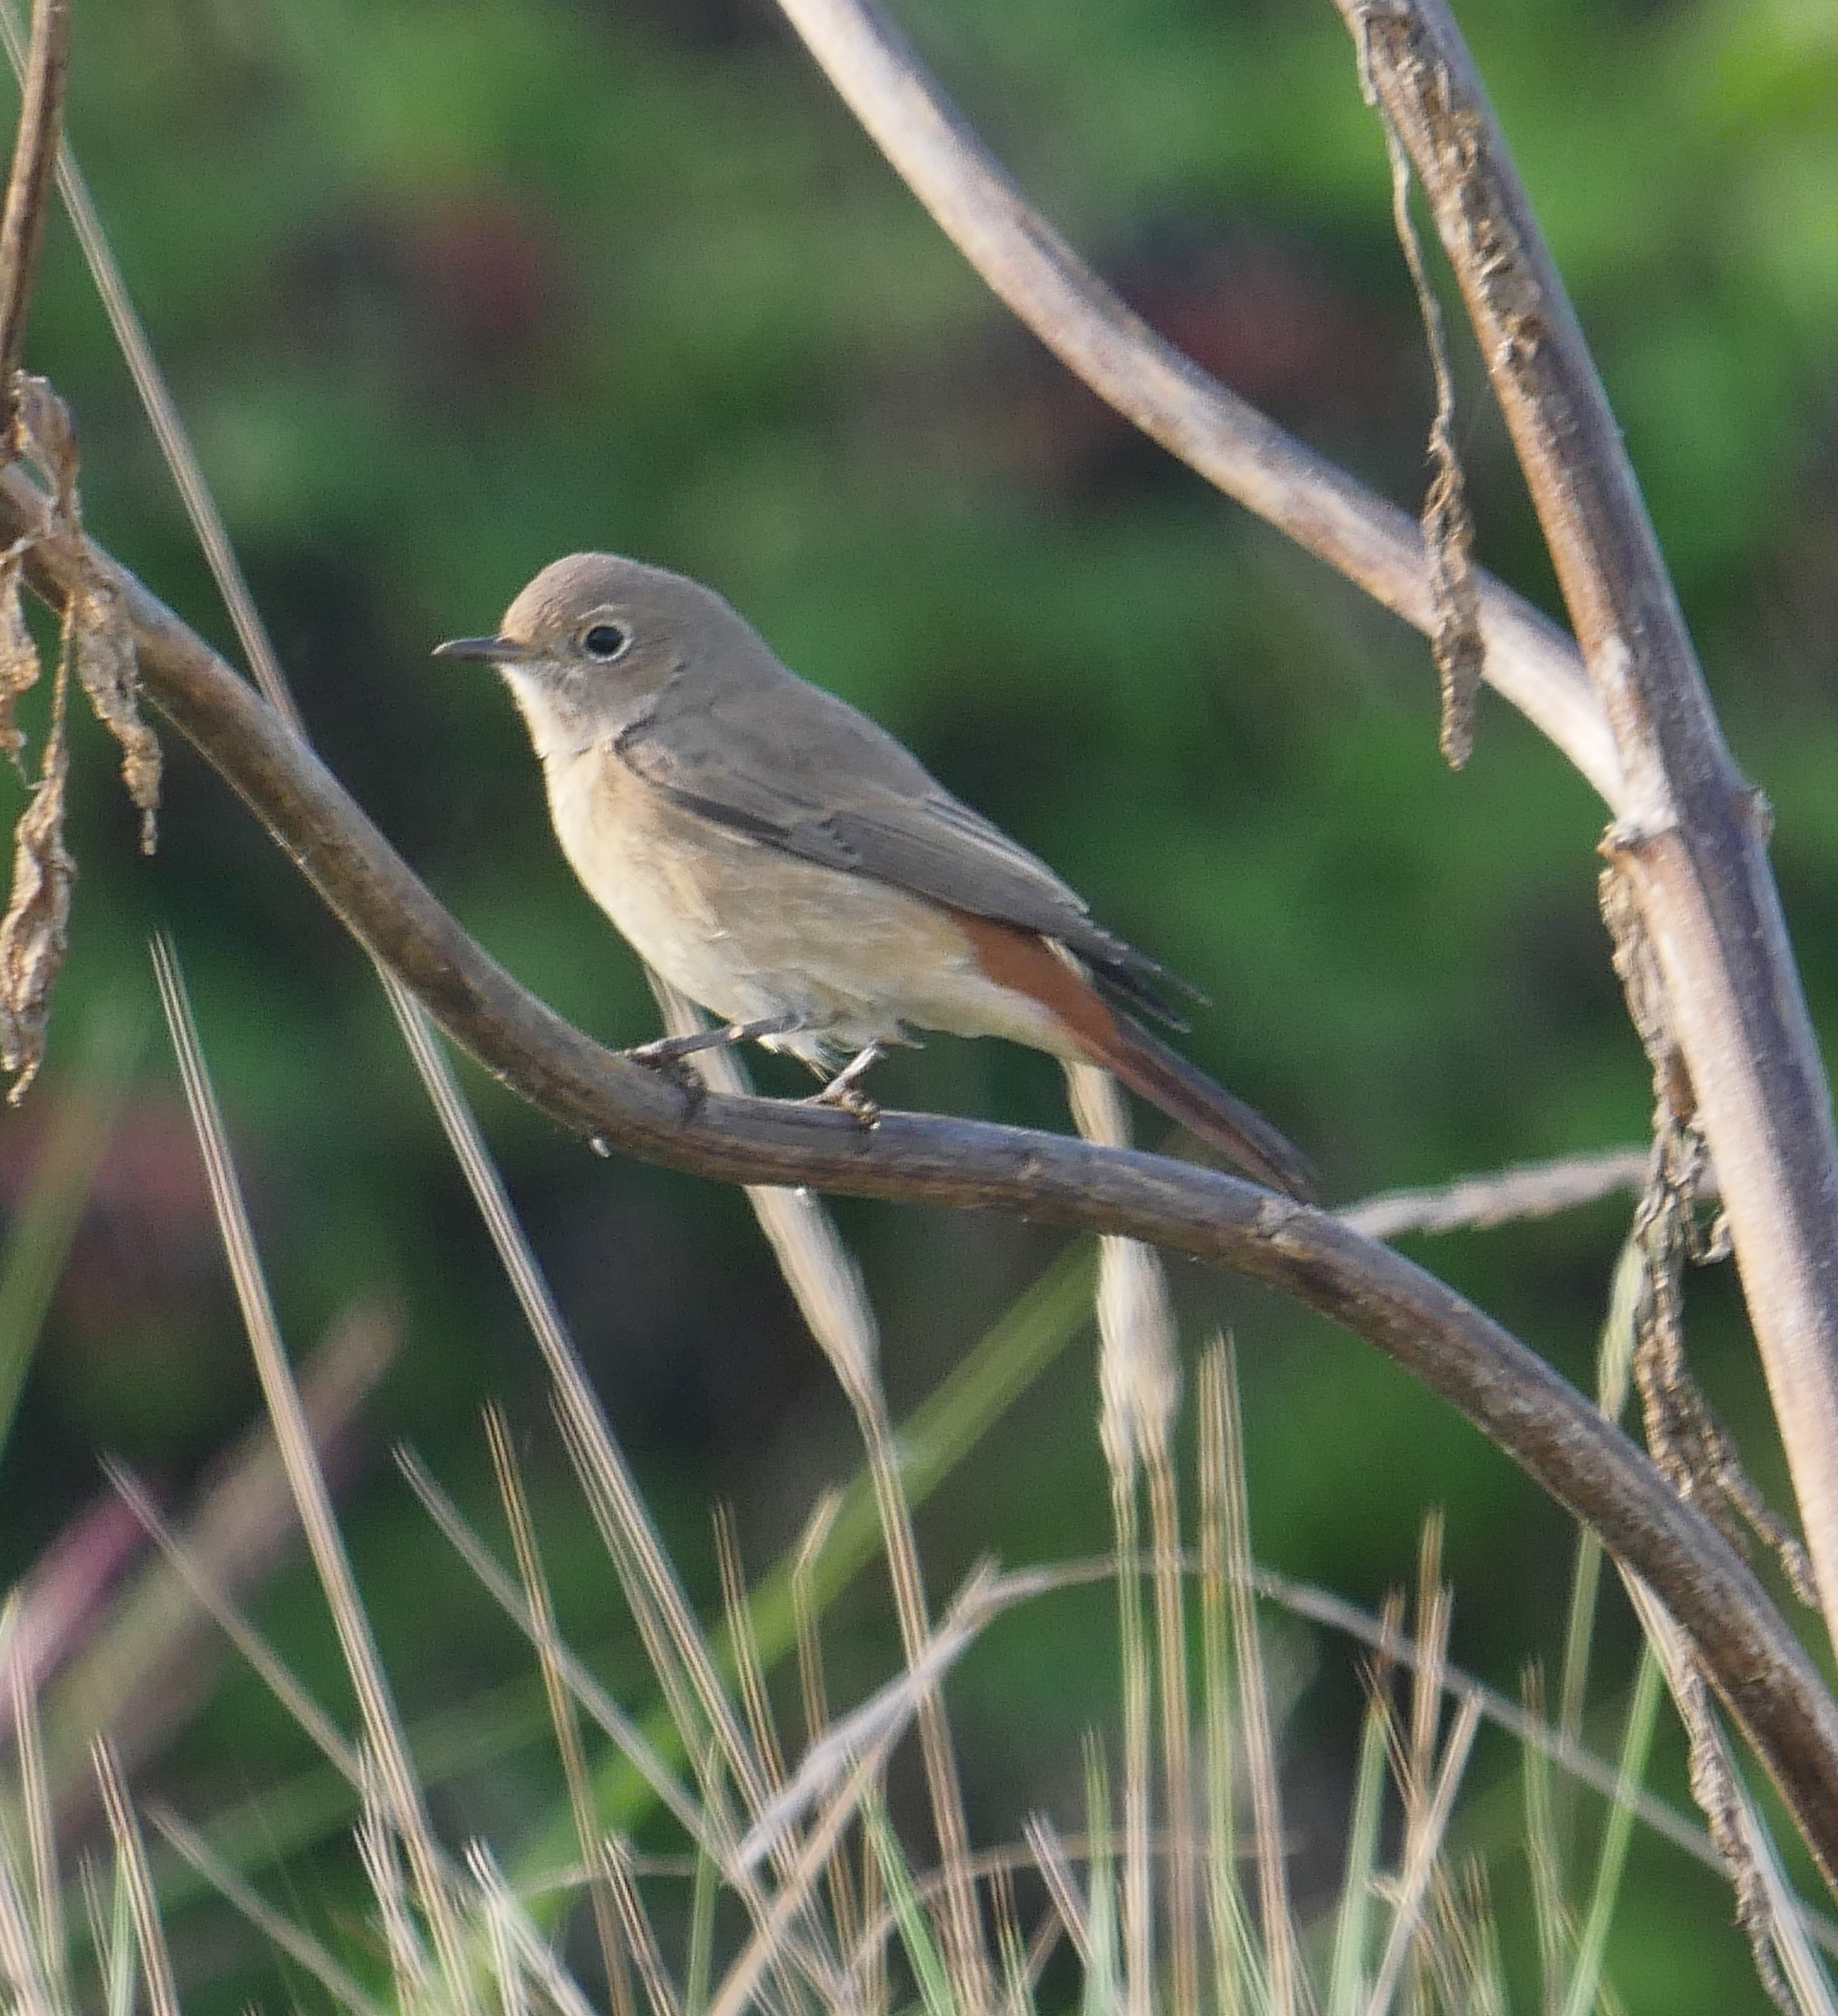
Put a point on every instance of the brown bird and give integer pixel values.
(788, 865)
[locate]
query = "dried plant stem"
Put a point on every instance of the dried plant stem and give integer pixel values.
(814, 1850)
(1769, 1913)
(963, 1939)
(742, 1637)
(1170, 1632)
(653, 1972)
(1502, 1196)
(46, 1944)
(1222, 1446)
(1422, 1857)
(185, 1563)
(563, 1717)
(1415, 1764)
(846, 1914)
(28, 192)
(1690, 834)
(1139, 1381)
(130, 1856)
(306, 1953)
(1139, 1913)
(708, 1830)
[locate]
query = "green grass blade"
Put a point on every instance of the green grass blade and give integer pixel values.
(702, 1924)
(1352, 1923)
(923, 1954)
(1103, 1995)
(1636, 1747)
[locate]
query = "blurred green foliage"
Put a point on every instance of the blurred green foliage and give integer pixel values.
(449, 287)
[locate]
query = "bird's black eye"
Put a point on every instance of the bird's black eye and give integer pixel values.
(606, 642)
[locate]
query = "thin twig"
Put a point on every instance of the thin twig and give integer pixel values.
(1502, 1196)
(28, 192)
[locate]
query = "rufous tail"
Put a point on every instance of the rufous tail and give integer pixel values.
(1119, 1042)
(1165, 1078)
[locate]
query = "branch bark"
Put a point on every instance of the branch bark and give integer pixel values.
(1510, 1394)
(1692, 834)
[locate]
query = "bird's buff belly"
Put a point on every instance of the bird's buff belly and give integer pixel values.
(752, 932)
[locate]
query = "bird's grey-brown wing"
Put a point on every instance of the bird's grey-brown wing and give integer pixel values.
(794, 767)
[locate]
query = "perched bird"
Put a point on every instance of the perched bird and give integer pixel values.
(788, 865)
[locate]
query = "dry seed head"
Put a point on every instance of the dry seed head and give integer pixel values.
(19, 665)
(50, 441)
(110, 673)
(33, 934)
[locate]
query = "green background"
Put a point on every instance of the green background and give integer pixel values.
(447, 289)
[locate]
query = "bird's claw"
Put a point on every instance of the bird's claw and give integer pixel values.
(865, 1112)
(669, 1063)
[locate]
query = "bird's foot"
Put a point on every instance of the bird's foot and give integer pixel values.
(849, 1099)
(844, 1090)
(668, 1060)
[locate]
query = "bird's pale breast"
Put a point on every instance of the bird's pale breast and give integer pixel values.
(752, 932)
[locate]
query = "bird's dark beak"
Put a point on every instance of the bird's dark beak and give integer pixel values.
(487, 650)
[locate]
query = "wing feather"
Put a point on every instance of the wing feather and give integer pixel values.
(744, 757)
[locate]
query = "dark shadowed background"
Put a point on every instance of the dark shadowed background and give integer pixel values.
(447, 288)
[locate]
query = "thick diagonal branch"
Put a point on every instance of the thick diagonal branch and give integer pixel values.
(1691, 836)
(1505, 1390)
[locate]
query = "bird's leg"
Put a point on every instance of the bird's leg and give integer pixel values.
(668, 1050)
(669, 1055)
(843, 1089)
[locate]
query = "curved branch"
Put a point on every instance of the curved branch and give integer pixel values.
(1028, 266)
(1691, 837)
(1510, 1394)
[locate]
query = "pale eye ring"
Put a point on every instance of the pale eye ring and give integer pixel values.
(606, 641)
